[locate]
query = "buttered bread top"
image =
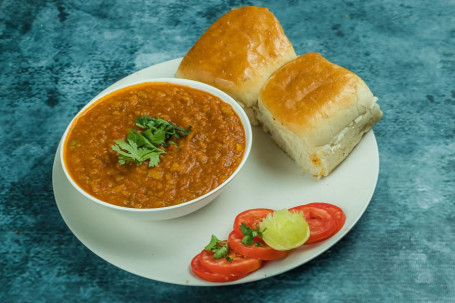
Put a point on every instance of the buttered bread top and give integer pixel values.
(238, 52)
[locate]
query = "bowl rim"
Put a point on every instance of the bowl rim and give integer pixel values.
(178, 81)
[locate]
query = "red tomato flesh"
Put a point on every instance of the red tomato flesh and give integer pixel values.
(209, 276)
(263, 252)
(324, 220)
(337, 212)
(250, 217)
(238, 264)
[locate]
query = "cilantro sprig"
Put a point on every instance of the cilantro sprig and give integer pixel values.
(250, 233)
(220, 248)
(144, 146)
(158, 130)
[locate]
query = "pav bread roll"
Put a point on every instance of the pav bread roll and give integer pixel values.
(317, 112)
(238, 53)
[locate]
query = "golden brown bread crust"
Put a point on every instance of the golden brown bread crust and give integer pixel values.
(308, 90)
(317, 112)
(238, 53)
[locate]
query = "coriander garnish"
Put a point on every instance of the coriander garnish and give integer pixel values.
(220, 248)
(143, 146)
(250, 233)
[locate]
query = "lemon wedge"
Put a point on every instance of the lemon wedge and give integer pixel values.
(285, 230)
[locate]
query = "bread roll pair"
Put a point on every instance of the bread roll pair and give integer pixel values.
(316, 111)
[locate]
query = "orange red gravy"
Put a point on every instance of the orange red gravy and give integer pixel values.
(208, 155)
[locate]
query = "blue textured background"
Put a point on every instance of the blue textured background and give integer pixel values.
(56, 55)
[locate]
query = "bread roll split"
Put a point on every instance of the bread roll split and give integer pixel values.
(317, 112)
(238, 53)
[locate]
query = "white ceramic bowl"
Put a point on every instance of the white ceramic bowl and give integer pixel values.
(183, 208)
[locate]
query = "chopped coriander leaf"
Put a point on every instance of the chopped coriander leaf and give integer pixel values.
(143, 146)
(162, 129)
(129, 152)
(249, 234)
(222, 251)
(220, 248)
(213, 243)
(247, 240)
(139, 138)
(155, 138)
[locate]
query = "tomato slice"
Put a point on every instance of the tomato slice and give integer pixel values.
(237, 265)
(263, 252)
(324, 220)
(250, 217)
(335, 210)
(209, 276)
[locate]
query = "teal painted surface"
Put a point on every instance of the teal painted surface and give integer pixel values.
(56, 55)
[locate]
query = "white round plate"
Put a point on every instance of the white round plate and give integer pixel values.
(162, 250)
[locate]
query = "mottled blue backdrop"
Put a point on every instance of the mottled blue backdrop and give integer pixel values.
(56, 55)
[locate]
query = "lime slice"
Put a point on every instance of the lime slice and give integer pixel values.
(285, 230)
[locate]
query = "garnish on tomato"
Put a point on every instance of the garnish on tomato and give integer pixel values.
(219, 263)
(262, 234)
(261, 252)
(234, 264)
(209, 276)
(251, 218)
